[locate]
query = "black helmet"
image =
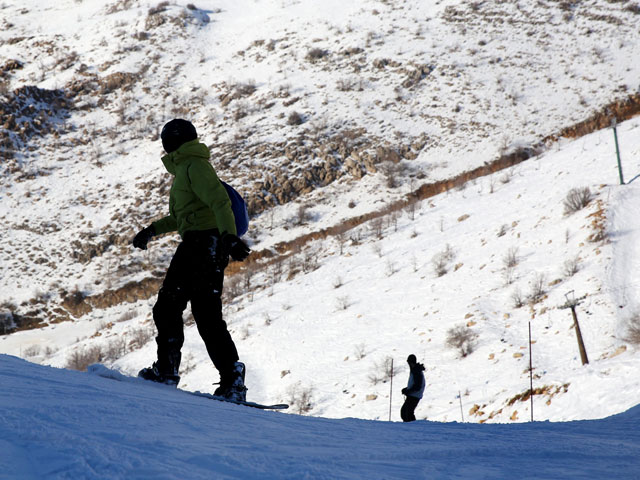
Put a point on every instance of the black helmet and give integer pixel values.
(177, 132)
(412, 359)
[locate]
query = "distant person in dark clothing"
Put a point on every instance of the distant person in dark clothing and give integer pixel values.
(414, 389)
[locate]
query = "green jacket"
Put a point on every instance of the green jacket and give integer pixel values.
(198, 200)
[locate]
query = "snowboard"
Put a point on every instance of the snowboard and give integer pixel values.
(104, 372)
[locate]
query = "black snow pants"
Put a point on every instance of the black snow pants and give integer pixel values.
(408, 409)
(195, 274)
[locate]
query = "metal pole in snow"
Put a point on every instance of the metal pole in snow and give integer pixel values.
(461, 412)
(530, 373)
(615, 136)
(391, 390)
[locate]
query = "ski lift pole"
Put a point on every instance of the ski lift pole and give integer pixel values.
(615, 136)
(583, 351)
(572, 304)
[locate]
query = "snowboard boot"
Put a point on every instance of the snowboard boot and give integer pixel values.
(232, 385)
(163, 372)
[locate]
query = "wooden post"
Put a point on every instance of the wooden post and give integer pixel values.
(583, 351)
(572, 304)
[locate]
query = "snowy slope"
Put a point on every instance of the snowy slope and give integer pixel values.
(64, 424)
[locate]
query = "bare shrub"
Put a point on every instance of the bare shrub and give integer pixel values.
(440, 261)
(301, 398)
(517, 298)
(232, 288)
(377, 227)
(440, 264)
(510, 260)
(247, 275)
(310, 260)
(538, 288)
(461, 338)
(577, 199)
(115, 349)
(414, 264)
(341, 238)
(342, 303)
(391, 171)
(188, 364)
(382, 372)
(571, 266)
(411, 209)
(633, 330)
(302, 215)
(295, 118)
(349, 84)
(32, 351)
(81, 358)
(295, 266)
(509, 275)
(140, 337)
(391, 268)
(360, 351)
(316, 54)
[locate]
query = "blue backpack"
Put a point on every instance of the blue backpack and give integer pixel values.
(239, 207)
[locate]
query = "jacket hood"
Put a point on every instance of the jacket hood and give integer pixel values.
(189, 149)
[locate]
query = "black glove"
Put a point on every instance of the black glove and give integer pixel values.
(142, 238)
(404, 391)
(238, 250)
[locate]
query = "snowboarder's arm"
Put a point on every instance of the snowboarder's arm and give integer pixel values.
(207, 186)
(165, 225)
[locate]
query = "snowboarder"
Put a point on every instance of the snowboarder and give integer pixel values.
(414, 389)
(200, 211)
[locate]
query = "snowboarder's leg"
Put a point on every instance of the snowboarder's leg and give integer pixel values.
(207, 312)
(408, 409)
(206, 306)
(167, 315)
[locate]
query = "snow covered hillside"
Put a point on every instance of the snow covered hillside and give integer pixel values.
(319, 327)
(387, 97)
(400, 91)
(62, 424)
